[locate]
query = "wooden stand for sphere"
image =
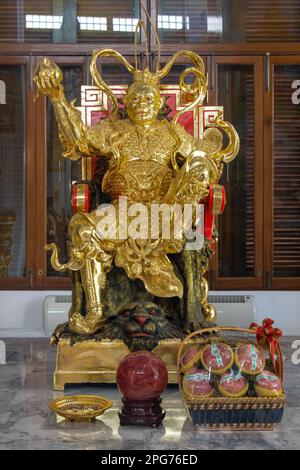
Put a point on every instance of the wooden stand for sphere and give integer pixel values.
(141, 413)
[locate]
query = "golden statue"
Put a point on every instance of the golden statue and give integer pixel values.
(148, 161)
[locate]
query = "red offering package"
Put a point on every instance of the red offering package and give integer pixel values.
(217, 358)
(268, 384)
(190, 357)
(250, 359)
(233, 384)
(197, 383)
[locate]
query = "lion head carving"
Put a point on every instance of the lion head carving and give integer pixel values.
(140, 326)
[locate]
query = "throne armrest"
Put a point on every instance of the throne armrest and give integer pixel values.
(81, 197)
(214, 205)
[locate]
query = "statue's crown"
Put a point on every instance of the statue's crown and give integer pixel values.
(145, 77)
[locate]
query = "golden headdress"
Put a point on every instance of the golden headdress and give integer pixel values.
(198, 87)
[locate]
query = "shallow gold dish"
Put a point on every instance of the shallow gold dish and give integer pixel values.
(80, 407)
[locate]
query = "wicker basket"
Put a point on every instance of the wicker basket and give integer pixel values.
(218, 412)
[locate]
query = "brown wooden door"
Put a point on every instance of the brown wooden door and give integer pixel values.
(237, 84)
(17, 177)
(54, 177)
(282, 174)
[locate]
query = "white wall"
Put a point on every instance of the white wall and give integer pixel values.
(23, 309)
(282, 306)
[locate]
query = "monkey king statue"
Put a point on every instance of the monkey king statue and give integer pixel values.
(138, 290)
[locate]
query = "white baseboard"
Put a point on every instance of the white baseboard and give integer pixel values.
(22, 310)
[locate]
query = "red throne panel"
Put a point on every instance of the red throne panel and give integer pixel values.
(96, 106)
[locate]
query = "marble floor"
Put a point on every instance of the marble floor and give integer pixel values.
(27, 423)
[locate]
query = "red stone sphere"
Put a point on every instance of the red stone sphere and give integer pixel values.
(142, 376)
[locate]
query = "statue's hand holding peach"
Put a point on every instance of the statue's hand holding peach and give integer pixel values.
(48, 77)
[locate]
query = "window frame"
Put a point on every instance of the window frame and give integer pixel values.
(42, 280)
(257, 281)
(27, 281)
(273, 282)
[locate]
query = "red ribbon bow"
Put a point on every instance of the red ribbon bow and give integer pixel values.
(266, 334)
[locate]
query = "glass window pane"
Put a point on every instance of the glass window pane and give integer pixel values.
(12, 171)
(107, 21)
(68, 21)
(286, 157)
(173, 78)
(237, 223)
(60, 172)
(189, 21)
(218, 21)
(115, 74)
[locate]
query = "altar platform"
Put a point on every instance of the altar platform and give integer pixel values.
(26, 422)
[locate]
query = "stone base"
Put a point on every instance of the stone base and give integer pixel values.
(97, 362)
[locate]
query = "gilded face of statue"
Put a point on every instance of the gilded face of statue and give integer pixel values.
(142, 103)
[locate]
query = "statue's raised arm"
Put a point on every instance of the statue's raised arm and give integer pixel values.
(72, 132)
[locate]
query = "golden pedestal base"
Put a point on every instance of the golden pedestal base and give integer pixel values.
(97, 362)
